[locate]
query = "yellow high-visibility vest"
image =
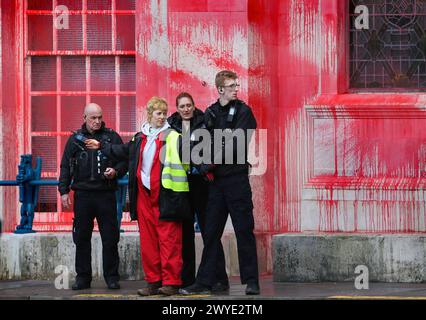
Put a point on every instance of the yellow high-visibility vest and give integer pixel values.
(174, 176)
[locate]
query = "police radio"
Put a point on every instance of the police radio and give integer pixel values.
(231, 114)
(79, 137)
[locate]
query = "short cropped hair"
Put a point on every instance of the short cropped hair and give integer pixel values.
(156, 103)
(224, 75)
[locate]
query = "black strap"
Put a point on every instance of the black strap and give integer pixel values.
(212, 119)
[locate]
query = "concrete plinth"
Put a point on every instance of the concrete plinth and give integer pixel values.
(36, 256)
(325, 257)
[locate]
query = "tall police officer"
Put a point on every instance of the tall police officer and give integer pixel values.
(230, 191)
(93, 177)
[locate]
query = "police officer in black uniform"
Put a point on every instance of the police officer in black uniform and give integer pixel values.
(187, 120)
(230, 192)
(93, 177)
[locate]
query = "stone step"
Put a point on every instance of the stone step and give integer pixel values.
(36, 256)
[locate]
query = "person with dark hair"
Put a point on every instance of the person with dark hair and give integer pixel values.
(186, 120)
(230, 193)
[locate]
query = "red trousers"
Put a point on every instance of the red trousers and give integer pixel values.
(161, 242)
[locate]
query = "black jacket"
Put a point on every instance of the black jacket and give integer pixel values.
(196, 122)
(196, 180)
(174, 206)
(80, 167)
(217, 117)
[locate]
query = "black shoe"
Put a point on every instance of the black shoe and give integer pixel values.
(196, 288)
(220, 287)
(114, 285)
(80, 285)
(252, 288)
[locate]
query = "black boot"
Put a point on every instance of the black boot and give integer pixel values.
(194, 289)
(253, 288)
(80, 285)
(113, 284)
(220, 286)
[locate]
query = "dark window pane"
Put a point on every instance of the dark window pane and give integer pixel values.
(71, 38)
(128, 114)
(391, 53)
(99, 4)
(72, 108)
(73, 73)
(40, 5)
(99, 35)
(40, 32)
(125, 5)
(43, 113)
(71, 4)
(45, 147)
(102, 73)
(126, 32)
(43, 73)
(127, 74)
(47, 199)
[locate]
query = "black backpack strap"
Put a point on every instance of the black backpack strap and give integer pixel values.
(211, 121)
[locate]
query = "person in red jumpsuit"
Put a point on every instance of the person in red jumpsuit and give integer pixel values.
(160, 236)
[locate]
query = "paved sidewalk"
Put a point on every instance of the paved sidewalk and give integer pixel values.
(42, 290)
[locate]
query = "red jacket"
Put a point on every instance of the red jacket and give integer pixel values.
(174, 206)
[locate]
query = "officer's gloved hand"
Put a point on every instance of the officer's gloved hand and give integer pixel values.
(206, 170)
(110, 173)
(209, 177)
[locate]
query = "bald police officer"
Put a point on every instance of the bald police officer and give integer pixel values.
(93, 177)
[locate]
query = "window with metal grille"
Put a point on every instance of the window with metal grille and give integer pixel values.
(391, 52)
(93, 60)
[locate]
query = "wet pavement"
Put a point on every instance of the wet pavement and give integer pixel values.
(45, 290)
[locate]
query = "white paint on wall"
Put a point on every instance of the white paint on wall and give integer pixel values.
(305, 33)
(192, 47)
(158, 46)
(206, 48)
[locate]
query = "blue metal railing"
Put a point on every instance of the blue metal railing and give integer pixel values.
(29, 182)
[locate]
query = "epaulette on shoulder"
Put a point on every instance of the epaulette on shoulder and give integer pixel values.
(241, 102)
(244, 107)
(136, 135)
